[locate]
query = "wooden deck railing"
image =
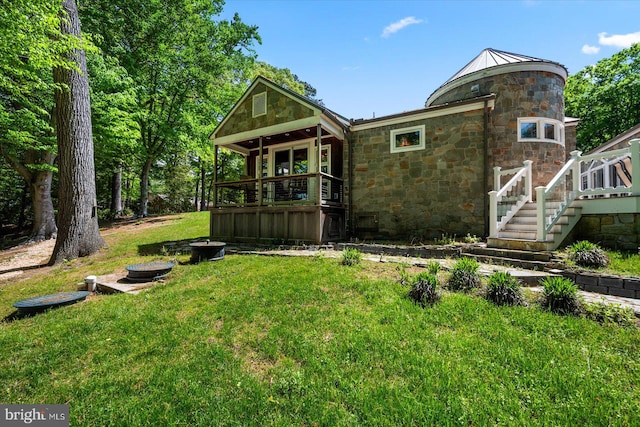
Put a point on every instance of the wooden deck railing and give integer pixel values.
(282, 190)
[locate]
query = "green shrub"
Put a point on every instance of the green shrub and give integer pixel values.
(504, 289)
(351, 256)
(424, 289)
(433, 267)
(464, 275)
(471, 239)
(560, 295)
(445, 239)
(587, 254)
(607, 314)
(405, 278)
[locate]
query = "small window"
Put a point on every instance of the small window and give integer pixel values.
(528, 130)
(260, 104)
(540, 129)
(407, 139)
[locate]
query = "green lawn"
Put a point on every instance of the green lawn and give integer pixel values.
(255, 340)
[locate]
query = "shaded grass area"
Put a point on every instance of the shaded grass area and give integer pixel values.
(291, 341)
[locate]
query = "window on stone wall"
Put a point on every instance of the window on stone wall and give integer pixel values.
(540, 129)
(407, 139)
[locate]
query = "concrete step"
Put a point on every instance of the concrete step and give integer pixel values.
(511, 253)
(519, 244)
(513, 262)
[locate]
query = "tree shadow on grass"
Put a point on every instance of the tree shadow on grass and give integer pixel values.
(169, 247)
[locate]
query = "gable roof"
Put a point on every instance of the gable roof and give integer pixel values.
(626, 135)
(317, 109)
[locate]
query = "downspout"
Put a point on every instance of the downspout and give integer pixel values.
(485, 138)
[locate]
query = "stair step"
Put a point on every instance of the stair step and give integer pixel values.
(520, 244)
(514, 262)
(524, 235)
(511, 253)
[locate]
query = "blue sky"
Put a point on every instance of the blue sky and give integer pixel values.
(375, 58)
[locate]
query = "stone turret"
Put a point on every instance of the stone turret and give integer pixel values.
(528, 120)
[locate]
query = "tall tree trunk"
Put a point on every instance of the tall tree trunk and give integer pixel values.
(203, 202)
(78, 233)
(144, 187)
(38, 184)
(197, 191)
(116, 192)
(44, 220)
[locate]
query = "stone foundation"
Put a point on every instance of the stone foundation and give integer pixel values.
(614, 231)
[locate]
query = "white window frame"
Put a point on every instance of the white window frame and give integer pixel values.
(260, 101)
(394, 133)
(541, 122)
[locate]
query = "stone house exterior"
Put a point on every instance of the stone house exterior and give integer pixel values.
(418, 174)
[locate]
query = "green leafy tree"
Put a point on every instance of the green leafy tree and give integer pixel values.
(285, 78)
(175, 52)
(31, 44)
(606, 97)
(114, 107)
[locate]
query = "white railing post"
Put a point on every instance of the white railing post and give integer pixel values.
(493, 213)
(528, 180)
(635, 166)
(496, 178)
(541, 215)
(575, 174)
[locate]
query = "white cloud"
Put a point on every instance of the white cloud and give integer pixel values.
(590, 50)
(399, 25)
(619, 40)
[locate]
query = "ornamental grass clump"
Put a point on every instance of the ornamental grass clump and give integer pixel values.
(504, 289)
(560, 295)
(464, 275)
(424, 289)
(351, 256)
(587, 254)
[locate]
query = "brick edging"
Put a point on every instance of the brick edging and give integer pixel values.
(628, 287)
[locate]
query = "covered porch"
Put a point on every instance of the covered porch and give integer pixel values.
(291, 188)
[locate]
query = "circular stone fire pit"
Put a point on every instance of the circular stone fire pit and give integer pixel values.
(149, 271)
(33, 305)
(202, 251)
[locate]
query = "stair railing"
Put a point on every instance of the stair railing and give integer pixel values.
(554, 199)
(506, 201)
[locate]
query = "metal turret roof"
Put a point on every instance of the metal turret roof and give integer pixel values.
(491, 62)
(492, 58)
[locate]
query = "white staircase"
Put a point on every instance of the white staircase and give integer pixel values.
(520, 232)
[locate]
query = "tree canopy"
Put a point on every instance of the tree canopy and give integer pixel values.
(606, 97)
(176, 53)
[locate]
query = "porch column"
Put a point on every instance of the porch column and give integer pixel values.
(635, 166)
(259, 173)
(319, 163)
(215, 176)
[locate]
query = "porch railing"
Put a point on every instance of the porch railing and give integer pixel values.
(505, 201)
(606, 174)
(553, 199)
(282, 190)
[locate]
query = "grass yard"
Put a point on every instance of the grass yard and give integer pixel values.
(253, 340)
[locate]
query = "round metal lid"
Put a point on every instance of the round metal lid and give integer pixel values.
(50, 301)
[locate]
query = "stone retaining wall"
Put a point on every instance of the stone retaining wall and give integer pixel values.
(619, 231)
(431, 251)
(604, 284)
